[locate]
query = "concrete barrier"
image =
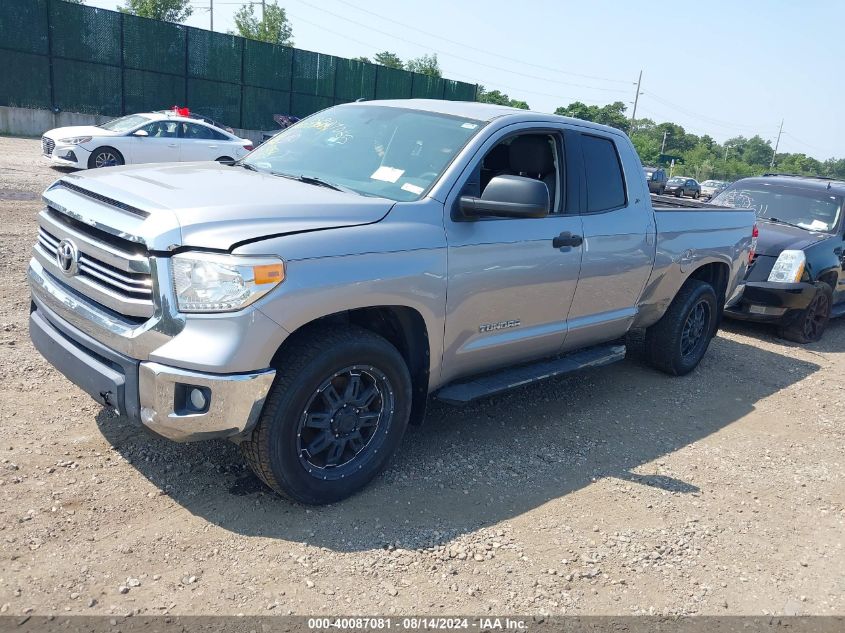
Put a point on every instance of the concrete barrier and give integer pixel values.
(31, 122)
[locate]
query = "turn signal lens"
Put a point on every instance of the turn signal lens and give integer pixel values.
(752, 253)
(269, 274)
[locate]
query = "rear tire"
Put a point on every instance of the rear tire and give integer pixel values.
(809, 325)
(105, 157)
(325, 434)
(678, 341)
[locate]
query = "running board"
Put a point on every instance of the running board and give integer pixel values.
(489, 384)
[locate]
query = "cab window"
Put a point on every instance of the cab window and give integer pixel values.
(536, 156)
(162, 129)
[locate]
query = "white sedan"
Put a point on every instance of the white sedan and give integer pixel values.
(151, 137)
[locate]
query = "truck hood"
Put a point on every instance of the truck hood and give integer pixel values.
(207, 205)
(78, 130)
(775, 238)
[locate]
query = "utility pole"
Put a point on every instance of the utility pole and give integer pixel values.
(663, 145)
(636, 99)
(774, 153)
(263, 8)
(211, 12)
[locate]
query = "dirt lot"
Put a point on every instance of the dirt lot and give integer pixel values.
(615, 492)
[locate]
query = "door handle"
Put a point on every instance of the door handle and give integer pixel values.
(171, 144)
(567, 239)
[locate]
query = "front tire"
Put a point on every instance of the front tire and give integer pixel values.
(809, 325)
(335, 415)
(225, 159)
(105, 157)
(678, 341)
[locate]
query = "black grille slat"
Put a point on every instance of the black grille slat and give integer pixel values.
(47, 145)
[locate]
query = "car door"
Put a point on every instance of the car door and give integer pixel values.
(160, 145)
(200, 142)
(691, 188)
(509, 286)
(619, 241)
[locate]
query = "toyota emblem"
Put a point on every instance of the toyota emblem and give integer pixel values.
(67, 257)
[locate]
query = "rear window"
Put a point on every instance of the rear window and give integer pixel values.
(605, 185)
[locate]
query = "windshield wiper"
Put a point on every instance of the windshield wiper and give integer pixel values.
(779, 221)
(319, 182)
(246, 166)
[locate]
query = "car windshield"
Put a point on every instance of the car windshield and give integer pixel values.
(677, 180)
(808, 209)
(395, 153)
(649, 173)
(710, 183)
(125, 123)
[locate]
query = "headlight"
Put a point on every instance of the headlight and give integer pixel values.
(75, 140)
(207, 282)
(789, 267)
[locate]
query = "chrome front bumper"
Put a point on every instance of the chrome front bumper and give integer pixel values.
(234, 404)
(100, 353)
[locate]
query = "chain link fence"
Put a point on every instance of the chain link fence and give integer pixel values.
(77, 58)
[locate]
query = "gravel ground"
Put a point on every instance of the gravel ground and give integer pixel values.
(621, 491)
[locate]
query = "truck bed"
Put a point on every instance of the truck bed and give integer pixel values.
(673, 203)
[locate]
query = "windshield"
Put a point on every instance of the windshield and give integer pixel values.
(710, 183)
(125, 123)
(394, 153)
(649, 173)
(812, 210)
(677, 181)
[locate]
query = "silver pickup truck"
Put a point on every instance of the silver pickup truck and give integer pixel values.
(306, 301)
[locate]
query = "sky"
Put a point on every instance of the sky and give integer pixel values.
(725, 68)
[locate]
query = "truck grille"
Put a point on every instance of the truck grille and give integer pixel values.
(117, 279)
(47, 145)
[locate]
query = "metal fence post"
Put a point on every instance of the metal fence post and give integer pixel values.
(122, 67)
(241, 105)
(375, 83)
(187, 49)
(292, 71)
(50, 57)
(334, 81)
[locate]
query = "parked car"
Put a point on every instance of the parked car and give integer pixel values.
(680, 186)
(656, 179)
(710, 188)
(796, 281)
(305, 302)
(149, 137)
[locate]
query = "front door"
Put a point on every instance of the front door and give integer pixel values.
(509, 287)
(161, 145)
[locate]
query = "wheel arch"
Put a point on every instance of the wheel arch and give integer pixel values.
(404, 327)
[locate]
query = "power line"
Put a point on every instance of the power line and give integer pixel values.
(452, 55)
(482, 50)
(705, 118)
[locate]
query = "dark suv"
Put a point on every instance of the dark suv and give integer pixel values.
(656, 179)
(797, 280)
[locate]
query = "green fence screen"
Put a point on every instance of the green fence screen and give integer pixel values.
(79, 58)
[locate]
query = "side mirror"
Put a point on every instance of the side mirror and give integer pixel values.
(508, 197)
(141, 133)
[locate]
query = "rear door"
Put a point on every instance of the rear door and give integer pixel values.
(200, 142)
(509, 286)
(619, 241)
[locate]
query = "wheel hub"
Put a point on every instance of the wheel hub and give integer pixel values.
(346, 421)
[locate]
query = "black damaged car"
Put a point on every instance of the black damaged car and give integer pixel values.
(797, 278)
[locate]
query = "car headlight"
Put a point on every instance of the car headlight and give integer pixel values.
(75, 140)
(789, 267)
(207, 282)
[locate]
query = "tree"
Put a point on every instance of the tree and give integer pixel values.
(391, 60)
(273, 27)
(363, 59)
(167, 10)
(75, 1)
(498, 98)
(425, 65)
(612, 114)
